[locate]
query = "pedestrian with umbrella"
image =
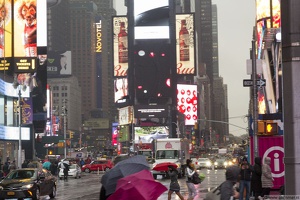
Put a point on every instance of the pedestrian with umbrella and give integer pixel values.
(174, 185)
(122, 169)
(138, 186)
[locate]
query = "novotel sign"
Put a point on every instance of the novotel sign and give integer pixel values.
(98, 46)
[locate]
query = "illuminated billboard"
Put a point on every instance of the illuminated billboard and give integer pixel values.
(185, 46)
(59, 63)
(25, 35)
(120, 46)
(151, 19)
(5, 35)
(150, 133)
(120, 88)
(187, 102)
(267, 17)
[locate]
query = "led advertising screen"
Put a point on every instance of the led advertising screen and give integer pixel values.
(267, 17)
(151, 19)
(120, 46)
(59, 63)
(120, 88)
(185, 46)
(25, 35)
(187, 101)
(5, 35)
(114, 137)
(148, 134)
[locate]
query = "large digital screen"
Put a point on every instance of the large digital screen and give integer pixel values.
(120, 45)
(185, 46)
(150, 133)
(151, 19)
(59, 63)
(120, 88)
(187, 102)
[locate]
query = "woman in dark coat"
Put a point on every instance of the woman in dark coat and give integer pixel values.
(256, 186)
(174, 185)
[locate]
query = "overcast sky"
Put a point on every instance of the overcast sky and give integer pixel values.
(236, 19)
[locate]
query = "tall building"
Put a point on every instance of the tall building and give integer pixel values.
(220, 106)
(66, 92)
(215, 47)
(58, 25)
(82, 18)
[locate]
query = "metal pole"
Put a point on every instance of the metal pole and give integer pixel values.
(255, 111)
(20, 131)
(65, 129)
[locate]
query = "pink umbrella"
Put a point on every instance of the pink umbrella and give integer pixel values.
(138, 186)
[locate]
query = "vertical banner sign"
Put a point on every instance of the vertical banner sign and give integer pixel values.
(25, 35)
(5, 35)
(120, 46)
(187, 101)
(185, 45)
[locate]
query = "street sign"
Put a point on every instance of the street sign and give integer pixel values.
(249, 82)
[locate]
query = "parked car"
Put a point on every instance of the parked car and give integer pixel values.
(101, 165)
(154, 135)
(74, 171)
(28, 183)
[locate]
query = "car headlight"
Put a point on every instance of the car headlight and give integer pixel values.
(225, 163)
(230, 163)
(216, 163)
(1, 188)
(27, 186)
(178, 165)
(154, 164)
(208, 163)
(83, 166)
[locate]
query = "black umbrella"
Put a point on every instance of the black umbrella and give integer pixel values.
(122, 169)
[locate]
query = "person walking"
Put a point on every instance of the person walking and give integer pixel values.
(227, 190)
(46, 165)
(5, 168)
(245, 179)
(190, 170)
(256, 186)
(174, 185)
(266, 177)
(12, 166)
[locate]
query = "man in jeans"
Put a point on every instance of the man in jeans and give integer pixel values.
(245, 179)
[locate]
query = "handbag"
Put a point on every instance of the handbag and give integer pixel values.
(195, 178)
(214, 194)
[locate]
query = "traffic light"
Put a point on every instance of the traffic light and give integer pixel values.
(196, 126)
(267, 128)
(271, 128)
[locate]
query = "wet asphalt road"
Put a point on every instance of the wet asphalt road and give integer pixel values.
(88, 186)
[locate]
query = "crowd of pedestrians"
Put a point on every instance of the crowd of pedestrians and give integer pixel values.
(250, 180)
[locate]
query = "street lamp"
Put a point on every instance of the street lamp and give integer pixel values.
(18, 86)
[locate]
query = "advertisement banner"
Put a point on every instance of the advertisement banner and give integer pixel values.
(59, 63)
(125, 115)
(25, 35)
(27, 111)
(187, 102)
(120, 88)
(151, 19)
(5, 35)
(114, 138)
(120, 46)
(185, 45)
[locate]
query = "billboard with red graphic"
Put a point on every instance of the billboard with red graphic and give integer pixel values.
(187, 101)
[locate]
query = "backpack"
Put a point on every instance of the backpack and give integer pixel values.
(195, 178)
